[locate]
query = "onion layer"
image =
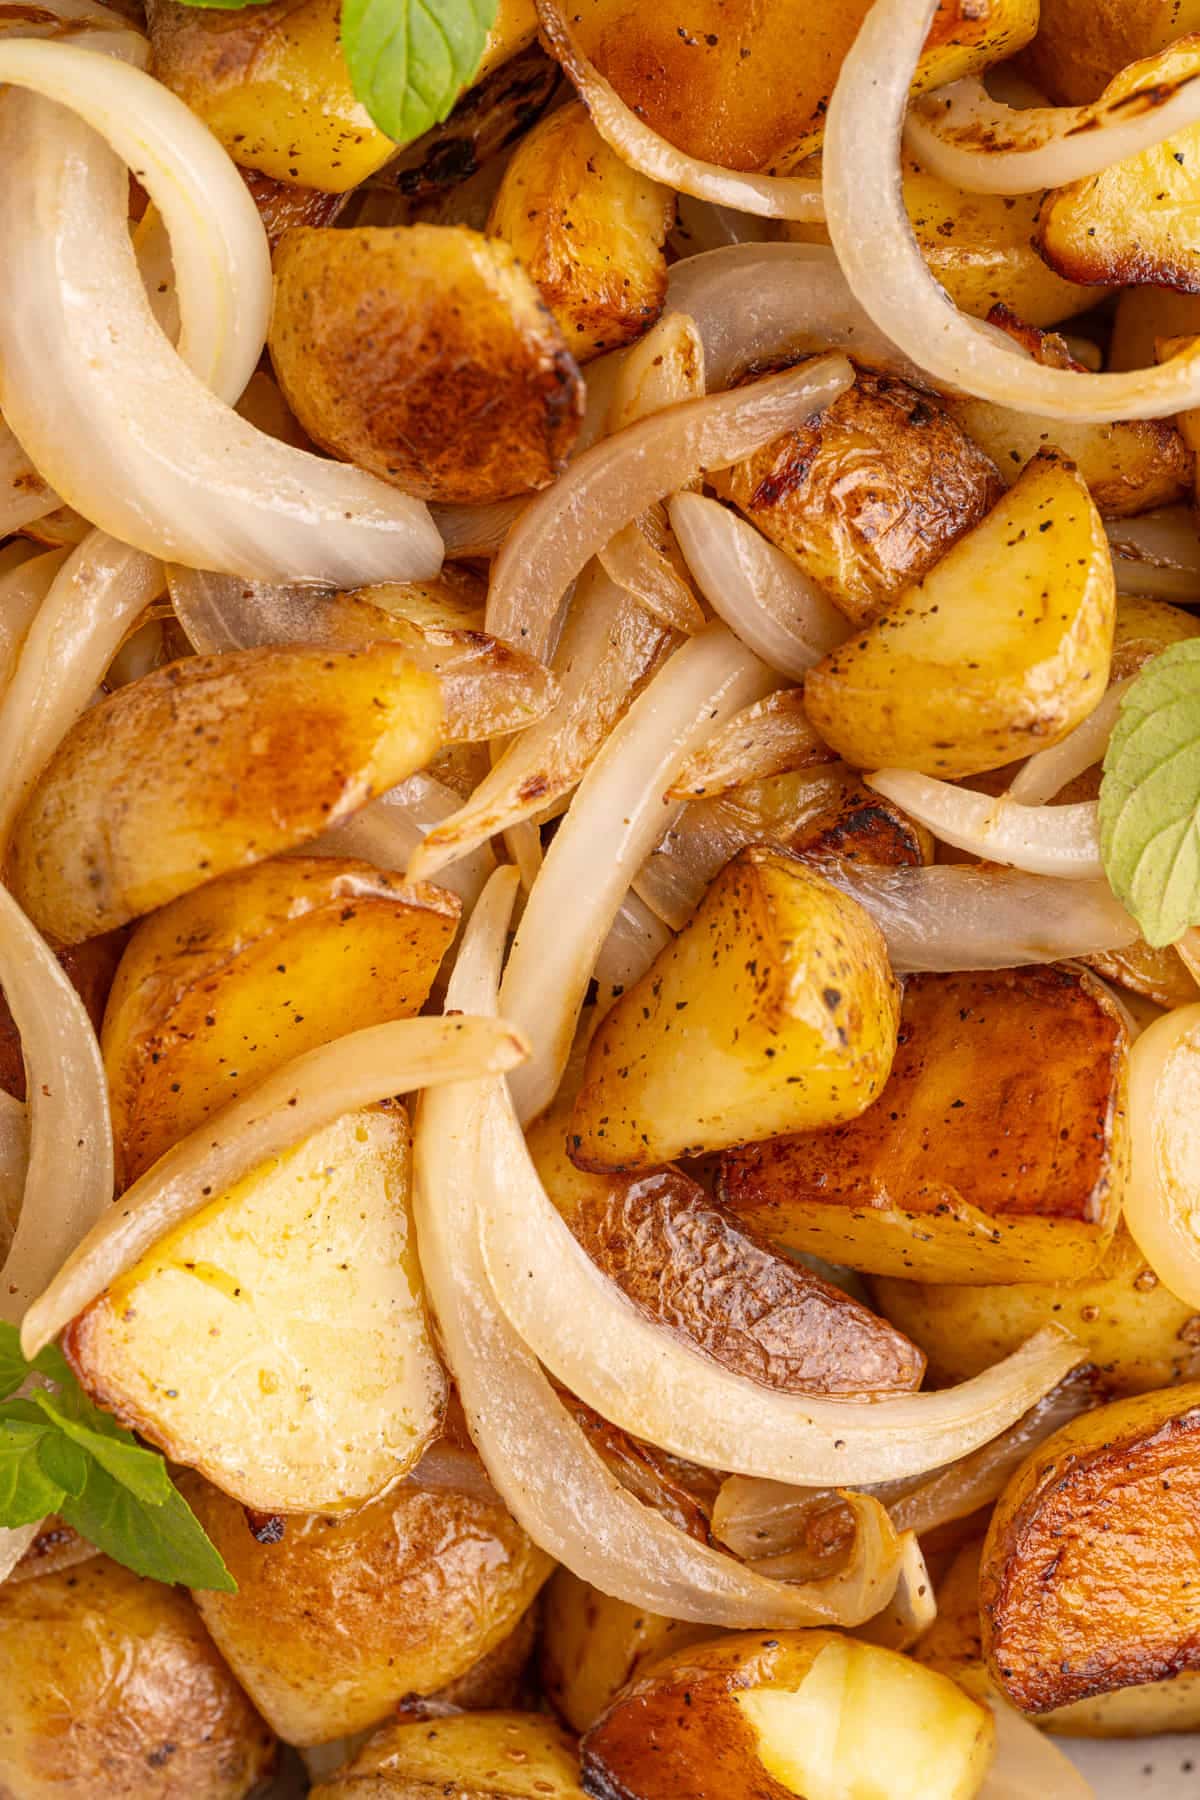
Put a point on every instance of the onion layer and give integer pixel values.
(1044, 840)
(1027, 1766)
(1157, 553)
(22, 591)
(1162, 1200)
(769, 738)
(24, 496)
(1048, 773)
(390, 831)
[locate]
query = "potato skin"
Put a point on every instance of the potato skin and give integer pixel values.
(113, 1687)
(282, 206)
(593, 1645)
(209, 765)
(424, 354)
(1143, 628)
(470, 1756)
(338, 1619)
(1081, 44)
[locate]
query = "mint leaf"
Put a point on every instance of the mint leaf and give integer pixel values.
(410, 59)
(27, 1493)
(1150, 797)
(165, 1542)
(142, 1472)
(63, 1463)
(13, 1367)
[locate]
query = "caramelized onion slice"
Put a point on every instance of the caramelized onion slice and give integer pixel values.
(768, 738)
(1048, 773)
(1157, 554)
(390, 831)
(1044, 840)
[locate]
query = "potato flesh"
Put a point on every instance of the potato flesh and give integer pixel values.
(592, 1645)
(488, 1756)
(278, 1341)
(1081, 44)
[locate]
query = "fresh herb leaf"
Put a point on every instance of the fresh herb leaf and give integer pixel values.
(14, 1369)
(410, 59)
(1150, 797)
(142, 1472)
(27, 1493)
(165, 1542)
(63, 1463)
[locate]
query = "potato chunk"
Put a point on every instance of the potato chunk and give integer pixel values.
(809, 1713)
(589, 229)
(997, 1150)
(424, 354)
(221, 988)
(1090, 1577)
(337, 1619)
(277, 1341)
(593, 1645)
(1002, 649)
(209, 765)
(1144, 628)
(483, 1756)
(773, 1010)
(1081, 44)
(112, 1686)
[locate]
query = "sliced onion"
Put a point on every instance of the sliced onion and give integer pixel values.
(768, 738)
(616, 817)
(1043, 840)
(22, 591)
(886, 271)
(911, 1609)
(661, 369)
(1048, 773)
(446, 1468)
(610, 484)
(24, 496)
(1162, 1198)
(636, 143)
(14, 1542)
(303, 1097)
(638, 565)
(1027, 1765)
(478, 530)
(636, 937)
(1157, 553)
(390, 831)
(53, 1558)
(762, 596)
(14, 1164)
(703, 225)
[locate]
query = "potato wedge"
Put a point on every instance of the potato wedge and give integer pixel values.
(112, 1687)
(337, 1619)
(226, 984)
(867, 495)
(492, 114)
(589, 229)
(1143, 628)
(1081, 44)
(424, 353)
(998, 1148)
(1001, 650)
(209, 765)
(774, 1009)
(478, 1756)
(1090, 1578)
(278, 1341)
(593, 1645)
(1146, 316)
(809, 1713)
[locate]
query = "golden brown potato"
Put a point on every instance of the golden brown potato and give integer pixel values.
(1158, 975)
(1146, 316)
(424, 353)
(863, 827)
(282, 205)
(1002, 649)
(91, 967)
(277, 1340)
(209, 765)
(112, 1688)
(996, 1150)
(1143, 628)
(593, 1645)
(589, 229)
(801, 1713)
(471, 1756)
(1081, 44)
(1090, 1578)
(489, 116)
(335, 1620)
(1130, 1324)
(774, 1009)
(867, 495)
(223, 986)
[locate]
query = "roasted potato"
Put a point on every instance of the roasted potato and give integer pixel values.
(483, 1756)
(1002, 649)
(282, 206)
(277, 1341)
(1143, 628)
(424, 353)
(112, 1687)
(489, 116)
(91, 967)
(863, 827)
(774, 1009)
(593, 1645)
(223, 986)
(209, 765)
(337, 1619)
(796, 1712)
(997, 1149)
(1144, 317)
(588, 228)
(1090, 1578)
(867, 495)
(1081, 44)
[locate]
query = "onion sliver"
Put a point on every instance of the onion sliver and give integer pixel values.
(24, 496)
(636, 143)
(617, 816)
(22, 591)
(1044, 840)
(769, 738)
(477, 530)
(886, 271)
(1048, 773)
(305, 1095)
(661, 369)
(1162, 1199)
(610, 484)
(636, 937)
(912, 1608)
(390, 831)
(641, 568)
(14, 1164)
(1157, 553)
(1027, 1765)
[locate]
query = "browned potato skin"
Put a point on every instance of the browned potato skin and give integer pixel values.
(589, 229)
(996, 1149)
(424, 354)
(338, 1619)
(863, 827)
(112, 1687)
(468, 1756)
(593, 1645)
(868, 494)
(282, 206)
(1081, 44)
(1090, 1578)
(1158, 975)
(488, 117)
(91, 967)
(1143, 629)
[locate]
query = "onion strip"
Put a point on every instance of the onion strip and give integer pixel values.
(1044, 840)
(769, 738)
(1162, 1195)
(24, 496)
(1048, 773)
(389, 833)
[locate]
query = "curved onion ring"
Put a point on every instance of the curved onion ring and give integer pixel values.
(1044, 840)
(1048, 773)
(769, 196)
(391, 830)
(14, 1165)
(307, 1094)
(1157, 554)
(874, 242)
(1162, 1197)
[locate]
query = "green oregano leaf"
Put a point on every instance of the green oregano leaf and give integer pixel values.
(409, 60)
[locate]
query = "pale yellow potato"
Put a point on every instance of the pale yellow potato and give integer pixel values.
(226, 984)
(1001, 650)
(806, 1713)
(468, 1756)
(513, 29)
(337, 1619)
(277, 1341)
(1081, 44)
(1143, 628)
(588, 228)
(111, 1687)
(773, 1010)
(593, 1645)
(209, 765)
(425, 354)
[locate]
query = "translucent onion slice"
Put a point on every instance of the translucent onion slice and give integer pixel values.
(14, 1164)
(22, 591)
(640, 567)
(1027, 1765)
(478, 530)
(304, 1096)
(1048, 773)
(882, 263)
(1157, 553)
(705, 226)
(1044, 840)
(661, 369)
(565, 526)
(912, 1608)
(770, 196)
(14, 1542)
(390, 831)
(1162, 1199)
(618, 814)
(762, 596)
(636, 937)
(768, 738)
(24, 496)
